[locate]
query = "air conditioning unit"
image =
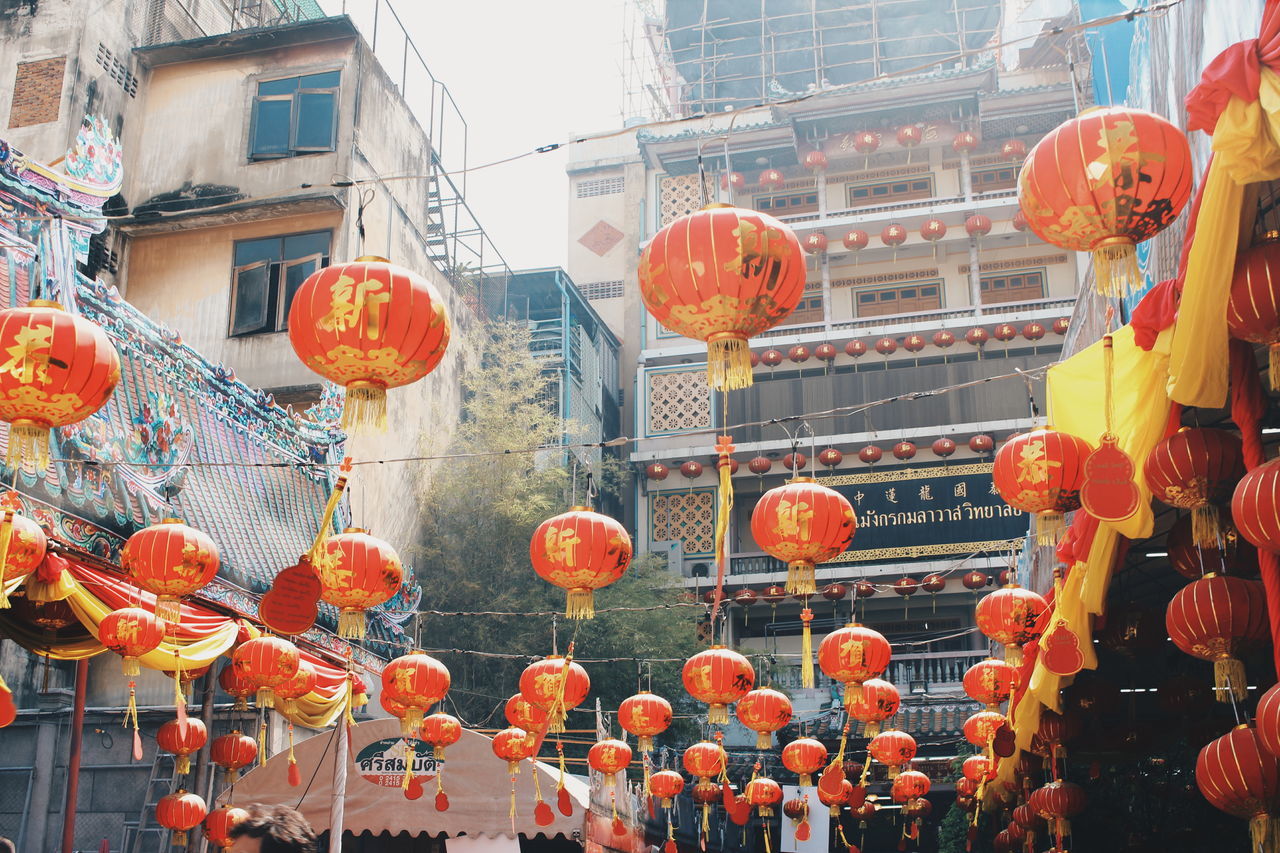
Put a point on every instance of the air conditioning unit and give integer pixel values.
(674, 549)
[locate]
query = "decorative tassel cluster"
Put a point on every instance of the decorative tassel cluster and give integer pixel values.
(169, 609)
(806, 647)
(1273, 356)
(580, 604)
(1264, 834)
(316, 554)
(407, 781)
(6, 536)
(1115, 267)
(131, 716)
(262, 742)
(266, 698)
(1013, 655)
(1049, 528)
(351, 624)
(1229, 680)
(728, 362)
(718, 714)
(31, 441)
(800, 578)
(1206, 528)
(365, 408)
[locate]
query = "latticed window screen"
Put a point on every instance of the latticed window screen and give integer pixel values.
(678, 195)
(688, 516)
(678, 400)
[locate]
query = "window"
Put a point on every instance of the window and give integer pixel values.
(601, 289)
(991, 180)
(808, 310)
(899, 300)
(1022, 286)
(295, 115)
(907, 189)
(267, 273)
(782, 205)
(600, 186)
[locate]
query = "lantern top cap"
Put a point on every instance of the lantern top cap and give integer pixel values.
(355, 530)
(579, 508)
(45, 303)
(801, 478)
(1271, 236)
(172, 521)
(717, 205)
(371, 259)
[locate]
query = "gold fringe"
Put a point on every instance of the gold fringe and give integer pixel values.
(1115, 268)
(1229, 679)
(800, 579)
(806, 780)
(6, 536)
(47, 591)
(852, 693)
(178, 839)
(351, 624)
(1013, 655)
(129, 666)
(438, 752)
(580, 604)
(806, 648)
(1049, 528)
(408, 767)
(764, 740)
(262, 742)
(365, 409)
(1273, 372)
(266, 698)
(644, 743)
(169, 609)
(28, 441)
(1264, 834)
(131, 710)
(513, 767)
(728, 364)
(1205, 526)
(873, 728)
(724, 499)
(894, 770)
(183, 764)
(717, 714)
(316, 553)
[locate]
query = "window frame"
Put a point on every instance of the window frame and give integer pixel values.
(276, 309)
(986, 282)
(294, 98)
(887, 196)
(880, 292)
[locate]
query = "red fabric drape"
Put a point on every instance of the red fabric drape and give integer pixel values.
(1235, 72)
(1155, 313)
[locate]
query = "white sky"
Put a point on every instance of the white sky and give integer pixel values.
(523, 75)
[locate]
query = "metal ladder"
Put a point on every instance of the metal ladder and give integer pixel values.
(164, 775)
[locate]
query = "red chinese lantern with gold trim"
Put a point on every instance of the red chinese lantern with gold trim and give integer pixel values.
(368, 325)
(814, 243)
(666, 785)
(131, 632)
(804, 757)
(803, 523)
(704, 760)
(1009, 617)
(1196, 469)
(894, 749)
(764, 711)
(1253, 309)
(357, 571)
(853, 654)
(523, 714)
(180, 812)
(1254, 507)
(171, 560)
(866, 141)
(978, 768)
(1059, 802)
(220, 822)
(233, 751)
(771, 179)
(933, 230)
(293, 689)
(981, 729)
(235, 686)
(1237, 775)
(513, 745)
(556, 683)
(815, 161)
(417, 681)
(909, 786)
(1041, 472)
(266, 662)
(893, 235)
(879, 700)
(764, 794)
(1214, 619)
(23, 546)
(182, 739)
(1013, 149)
(440, 730)
(1104, 181)
(832, 800)
(722, 275)
(58, 369)
(964, 141)
(645, 715)
(580, 551)
(856, 240)
(610, 757)
(719, 677)
(990, 682)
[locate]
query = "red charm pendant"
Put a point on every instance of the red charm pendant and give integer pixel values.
(1109, 492)
(290, 606)
(1060, 650)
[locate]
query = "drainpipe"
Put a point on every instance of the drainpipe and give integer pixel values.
(73, 757)
(975, 275)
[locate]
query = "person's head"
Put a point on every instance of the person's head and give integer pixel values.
(273, 829)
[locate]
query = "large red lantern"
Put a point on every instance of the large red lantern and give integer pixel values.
(909, 786)
(220, 822)
(231, 752)
(523, 714)
(1041, 472)
(834, 800)
(1213, 619)
(978, 768)
(357, 571)
(853, 654)
(440, 730)
(764, 711)
(804, 757)
(722, 275)
(59, 368)
(1009, 617)
(894, 749)
(803, 523)
(666, 785)
(1237, 775)
(182, 739)
(1253, 309)
(580, 551)
(990, 682)
(1196, 469)
(131, 632)
(1254, 506)
(610, 757)
(171, 560)
(764, 794)
(180, 812)
(368, 325)
(645, 715)
(981, 729)
(704, 760)
(513, 745)
(23, 546)
(293, 689)
(718, 676)
(266, 662)
(417, 681)
(1104, 181)
(879, 700)
(557, 684)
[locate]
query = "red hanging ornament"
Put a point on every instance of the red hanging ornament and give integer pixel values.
(853, 654)
(609, 757)
(182, 740)
(804, 757)
(802, 524)
(879, 700)
(440, 730)
(557, 684)
(513, 745)
(180, 812)
(666, 785)
(131, 632)
(718, 677)
(764, 711)
(357, 571)
(645, 715)
(1214, 619)
(170, 560)
(266, 662)
(1041, 472)
(704, 760)
(894, 749)
(1196, 469)
(764, 794)
(1008, 616)
(991, 682)
(581, 551)
(231, 752)
(1240, 777)
(220, 822)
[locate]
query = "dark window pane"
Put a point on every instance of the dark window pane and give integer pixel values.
(314, 130)
(324, 80)
(929, 291)
(909, 293)
(880, 190)
(253, 251)
(270, 128)
(278, 87)
(303, 245)
(294, 274)
(250, 311)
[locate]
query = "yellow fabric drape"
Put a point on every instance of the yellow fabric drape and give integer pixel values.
(1246, 145)
(317, 709)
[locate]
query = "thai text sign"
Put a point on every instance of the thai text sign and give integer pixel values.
(926, 512)
(382, 762)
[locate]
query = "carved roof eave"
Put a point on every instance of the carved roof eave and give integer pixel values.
(64, 194)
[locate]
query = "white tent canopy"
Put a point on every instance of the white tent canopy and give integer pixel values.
(475, 781)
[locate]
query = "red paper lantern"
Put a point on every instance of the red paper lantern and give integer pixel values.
(825, 352)
(557, 684)
(1026, 818)
(933, 583)
(609, 757)
(1008, 616)
(368, 325)
(981, 443)
(1254, 506)
(718, 677)
(795, 461)
(977, 336)
(1059, 802)
(1041, 472)
(975, 580)
(657, 471)
(933, 229)
(855, 349)
(440, 730)
(1196, 469)
(1267, 720)
(645, 715)
(831, 457)
(266, 662)
(964, 141)
(864, 589)
(1033, 331)
(866, 141)
(180, 812)
(978, 768)
(760, 465)
(706, 793)
(764, 711)
(943, 339)
(25, 550)
(513, 745)
(870, 454)
(1253, 309)
(815, 242)
(764, 794)
(231, 682)
(909, 786)
(943, 447)
(887, 346)
(691, 470)
(798, 354)
(771, 179)
(904, 450)
(977, 225)
(220, 822)
(990, 682)
(834, 591)
(815, 161)
(834, 800)
(1019, 221)
(906, 586)
(967, 787)
(667, 785)
(732, 179)
(774, 594)
(292, 689)
(1054, 731)
(913, 343)
(804, 757)
(894, 749)
(721, 275)
(1240, 777)
(771, 358)
(704, 760)
(416, 681)
(357, 571)
(170, 560)
(893, 235)
(182, 740)
(1004, 333)
(803, 523)
(1232, 554)
(581, 551)
(131, 632)
(1103, 181)
(1213, 619)
(981, 729)
(231, 752)
(1013, 149)
(853, 654)
(910, 135)
(879, 700)
(856, 240)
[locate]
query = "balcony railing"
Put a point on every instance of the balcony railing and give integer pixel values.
(925, 672)
(874, 210)
(755, 564)
(926, 318)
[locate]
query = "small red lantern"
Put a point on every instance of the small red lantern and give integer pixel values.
(904, 450)
(977, 336)
(416, 681)
(645, 715)
(978, 768)
(866, 141)
(771, 179)
(1240, 777)
(803, 523)
(933, 229)
(909, 786)
(732, 179)
(718, 677)
(1009, 617)
(706, 793)
(981, 729)
(1059, 802)
(1019, 221)
(704, 760)
(1196, 469)
(231, 682)
(864, 589)
(745, 598)
(771, 358)
(131, 632)
(774, 594)
(804, 757)
(1013, 149)
(513, 745)
(666, 785)
(1041, 472)
(266, 662)
(231, 752)
(943, 447)
(1061, 325)
(609, 757)
(852, 655)
(834, 591)
(24, 545)
(764, 711)
(977, 225)
(981, 443)
(798, 354)
(933, 583)
(943, 339)
(582, 551)
(764, 794)
(870, 454)
(1254, 506)
(855, 349)
(795, 461)
(831, 457)
(171, 560)
(292, 689)
(964, 141)
(180, 812)
(913, 343)
(220, 822)
(910, 135)
(879, 701)
(893, 235)
(1213, 619)
(975, 580)
(691, 470)
(887, 346)
(894, 749)
(906, 586)
(557, 684)
(657, 471)
(856, 240)
(825, 352)
(1033, 331)
(1253, 309)
(990, 682)
(760, 465)
(440, 730)
(815, 242)
(182, 739)
(1004, 333)
(967, 787)
(357, 571)
(815, 161)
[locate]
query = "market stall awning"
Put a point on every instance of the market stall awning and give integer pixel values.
(475, 780)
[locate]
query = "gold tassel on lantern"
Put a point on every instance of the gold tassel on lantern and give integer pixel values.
(365, 407)
(800, 579)
(806, 646)
(408, 767)
(580, 604)
(1049, 528)
(1264, 834)
(717, 714)
(6, 536)
(728, 362)
(1273, 359)
(1013, 655)
(1206, 530)
(169, 608)
(29, 440)
(1229, 680)
(131, 716)
(351, 624)
(182, 765)
(852, 692)
(262, 742)
(178, 838)
(1115, 267)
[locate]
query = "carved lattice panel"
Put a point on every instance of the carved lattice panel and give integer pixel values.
(678, 400)
(678, 195)
(687, 516)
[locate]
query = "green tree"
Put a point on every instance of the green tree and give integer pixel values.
(479, 514)
(953, 832)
